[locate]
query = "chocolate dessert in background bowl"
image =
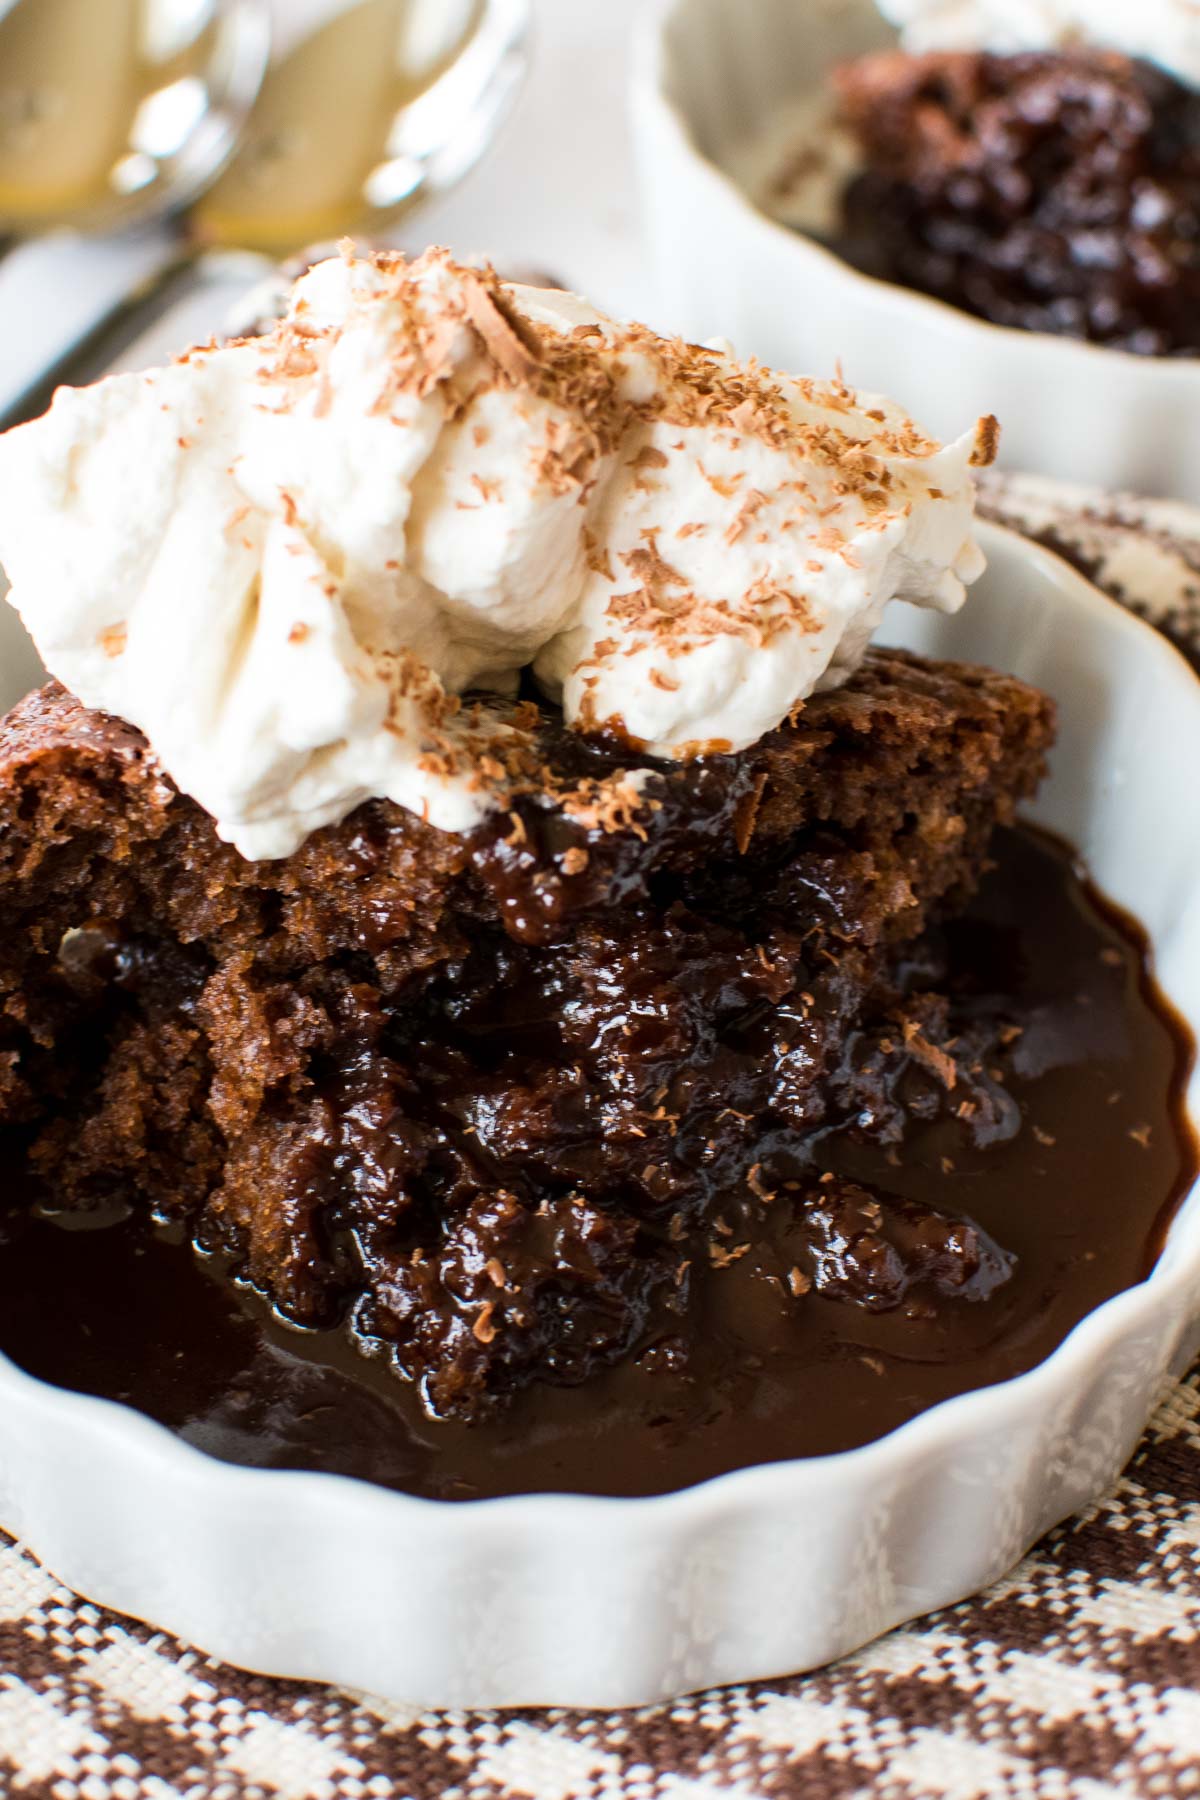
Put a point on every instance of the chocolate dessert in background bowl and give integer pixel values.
(907, 204)
(509, 995)
(1040, 168)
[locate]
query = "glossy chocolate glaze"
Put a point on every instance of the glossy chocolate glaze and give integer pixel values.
(1067, 1211)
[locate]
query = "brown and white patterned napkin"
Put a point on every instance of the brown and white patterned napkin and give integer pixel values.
(1077, 1678)
(1145, 553)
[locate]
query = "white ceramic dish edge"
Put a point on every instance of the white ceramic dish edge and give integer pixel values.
(565, 1600)
(1073, 410)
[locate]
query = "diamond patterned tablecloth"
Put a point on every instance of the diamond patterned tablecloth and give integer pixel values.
(1077, 1678)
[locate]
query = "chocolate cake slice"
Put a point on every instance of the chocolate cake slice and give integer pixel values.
(1055, 191)
(488, 1097)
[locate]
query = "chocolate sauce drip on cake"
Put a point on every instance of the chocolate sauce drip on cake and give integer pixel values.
(945, 1234)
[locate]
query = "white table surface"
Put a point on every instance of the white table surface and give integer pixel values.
(557, 190)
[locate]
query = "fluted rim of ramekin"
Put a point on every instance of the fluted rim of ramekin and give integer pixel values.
(938, 1429)
(651, 88)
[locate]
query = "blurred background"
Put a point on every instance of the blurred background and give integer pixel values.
(158, 156)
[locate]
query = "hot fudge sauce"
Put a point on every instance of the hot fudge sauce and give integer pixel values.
(895, 1277)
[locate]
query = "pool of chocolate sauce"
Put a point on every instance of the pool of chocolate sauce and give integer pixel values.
(1080, 1197)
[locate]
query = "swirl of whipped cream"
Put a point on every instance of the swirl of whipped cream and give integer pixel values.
(285, 559)
(1166, 32)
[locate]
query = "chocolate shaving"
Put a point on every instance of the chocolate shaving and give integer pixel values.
(501, 336)
(987, 443)
(747, 813)
(936, 1060)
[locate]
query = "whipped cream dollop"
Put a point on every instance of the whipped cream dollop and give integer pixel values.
(1163, 31)
(286, 559)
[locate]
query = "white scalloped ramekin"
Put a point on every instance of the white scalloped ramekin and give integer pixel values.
(600, 1602)
(706, 74)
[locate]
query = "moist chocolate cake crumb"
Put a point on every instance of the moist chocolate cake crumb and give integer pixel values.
(1057, 191)
(488, 1098)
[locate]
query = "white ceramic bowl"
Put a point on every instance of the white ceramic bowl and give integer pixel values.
(706, 74)
(600, 1602)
